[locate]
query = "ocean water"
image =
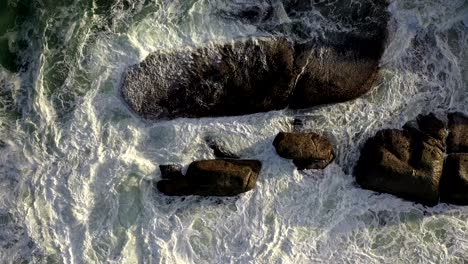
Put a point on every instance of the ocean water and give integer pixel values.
(77, 166)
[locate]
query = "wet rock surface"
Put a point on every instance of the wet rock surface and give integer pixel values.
(299, 69)
(409, 163)
(457, 140)
(454, 183)
(402, 163)
(220, 177)
(243, 77)
(307, 150)
(327, 75)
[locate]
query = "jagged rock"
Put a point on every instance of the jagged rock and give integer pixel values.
(219, 151)
(307, 150)
(406, 163)
(214, 178)
(243, 77)
(454, 182)
(457, 140)
(171, 171)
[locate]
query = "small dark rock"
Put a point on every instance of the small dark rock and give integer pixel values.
(219, 151)
(405, 163)
(307, 150)
(457, 140)
(454, 182)
(214, 178)
(171, 171)
(298, 124)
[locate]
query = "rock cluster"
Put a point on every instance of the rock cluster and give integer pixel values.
(220, 177)
(409, 163)
(232, 176)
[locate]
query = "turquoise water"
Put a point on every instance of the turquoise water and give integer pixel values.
(76, 166)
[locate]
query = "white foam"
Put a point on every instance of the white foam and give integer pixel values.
(85, 190)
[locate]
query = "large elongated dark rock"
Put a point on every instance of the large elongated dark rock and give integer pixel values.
(246, 76)
(454, 183)
(406, 163)
(307, 150)
(242, 77)
(214, 178)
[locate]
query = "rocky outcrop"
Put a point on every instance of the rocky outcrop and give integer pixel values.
(409, 163)
(403, 164)
(457, 140)
(307, 150)
(247, 76)
(454, 183)
(243, 77)
(218, 177)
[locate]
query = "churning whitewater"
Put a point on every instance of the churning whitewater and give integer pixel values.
(77, 166)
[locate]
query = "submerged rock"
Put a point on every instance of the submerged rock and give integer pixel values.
(307, 150)
(457, 140)
(214, 178)
(220, 151)
(405, 163)
(242, 77)
(454, 183)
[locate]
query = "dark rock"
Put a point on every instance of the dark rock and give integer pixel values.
(219, 151)
(298, 124)
(214, 178)
(334, 74)
(171, 171)
(406, 163)
(454, 182)
(237, 78)
(337, 65)
(432, 126)
(427, 128)
(257, 75)
(457, 140)
(307, 150)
